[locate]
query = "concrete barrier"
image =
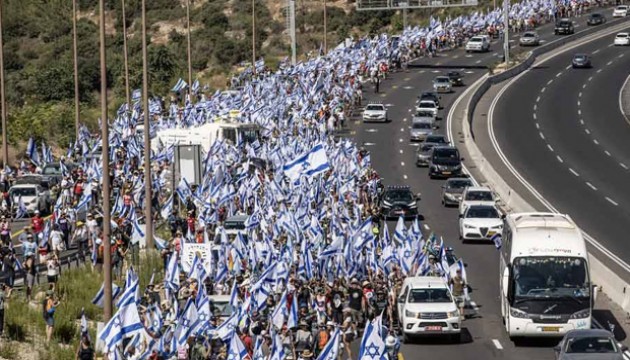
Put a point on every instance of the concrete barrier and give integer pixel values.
(608, 281)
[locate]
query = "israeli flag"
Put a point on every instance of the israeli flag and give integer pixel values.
(372, 345)
(280, 312)
(197, 270)
(125, 323)
(31, 151)
(312, 163)
(136, 95)
(331, 350)
(226, 329)
(237, 350)
(171, 280)
(497, 240)
(195, 87)
(187, 322)
(292, 323)
(181, 85)
(21, 210)
(84, 324)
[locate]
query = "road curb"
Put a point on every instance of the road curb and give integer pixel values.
(611, 283)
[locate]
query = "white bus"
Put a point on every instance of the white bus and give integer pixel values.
(544, 276)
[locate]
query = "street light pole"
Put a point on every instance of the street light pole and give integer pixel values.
(325, 28)
(77, 110)
(254, 36)
(107, 260)
(506, 32)
(292, 31)
(189, 57)
(148, 183)
(3, 103)
(127, 94)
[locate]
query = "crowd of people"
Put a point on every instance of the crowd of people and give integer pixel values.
(312, 268)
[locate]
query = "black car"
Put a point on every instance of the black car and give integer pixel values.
(445, 162)
(457, 79)
(581, 61)
(564, 27)
(396, 201)
(430, 95)
(452, 190)
(595, 19)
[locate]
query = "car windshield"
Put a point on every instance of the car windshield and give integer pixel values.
(549, 276)
(427, 104)
(591, 344)
(25, 191)
(374, 107)
(426, 148)
(451, 154)
(482, 212)
(529, 35)
(424, 114)
(429, 296)
(479, 196)
(622, 36)
(442, 80)
(399, 195)
(223, 309)
(421, 125)
(51, 170)
(454, 74)
(595, 15)
(436, 139)
(474, 40)
(580, 57)
(458, 184)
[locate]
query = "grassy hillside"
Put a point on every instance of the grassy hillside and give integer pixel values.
(38, 50)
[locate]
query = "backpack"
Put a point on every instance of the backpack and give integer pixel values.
(86, 354)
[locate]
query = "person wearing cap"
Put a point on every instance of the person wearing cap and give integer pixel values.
(356, 300)
(306, 355)
(37, 223)
(459, 289)
(64, 226)
(303, 338)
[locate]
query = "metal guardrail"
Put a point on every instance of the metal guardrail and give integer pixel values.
(411, 4)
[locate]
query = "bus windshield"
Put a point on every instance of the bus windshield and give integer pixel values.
(550, 277)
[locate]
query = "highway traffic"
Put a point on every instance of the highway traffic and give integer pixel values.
(394, 156)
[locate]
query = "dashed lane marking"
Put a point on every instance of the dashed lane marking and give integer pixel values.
(469, 72)
(421, 71)
(611, 201)
(599, 70)
(542, 136)
(538, 98)
(369, 144)
(607, 152)
(584, 86)
(587, 131)
(595, 142)
(580, 94)
(574, 172)
(402, 163)
(608, 63)
(582, 121)
(543, 89)
(409, 110)
(401, 151)
(549, 147)
(383, 95)
(620, 55)
(549, 82)
(394, 86)
(591, 186)
(497, 344)
(579, 112)
(404, 119)
(559, 158)
(568, 67)
(478, 62)
(436, 71)
(623, 166)
(402, 129)
(426, 227)
(371, 130)
(579, 104)
(455, 57)
(534, 115)
(537, 125)
(596, 51)
(558, 74)
(353, 132)
(405, 177)
(535, 107)
(400, 140)
(407, 87)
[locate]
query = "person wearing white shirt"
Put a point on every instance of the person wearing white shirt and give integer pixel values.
(56, 239)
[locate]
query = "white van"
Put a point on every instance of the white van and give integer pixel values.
(427, 307)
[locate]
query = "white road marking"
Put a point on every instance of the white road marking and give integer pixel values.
(404, 119)
(595, 141)
(590, 78)
(541, 135)
(400, 140)
(402, 129)
(478, 62)
(401, 151)
(568, 67)
(543, 89)
(426, 227)
(405, 177)
(549, 147)
(468, 56)
(580, 94)
(599, 70)
(409, 110)
(607, 152)
(587, 131)
(535, 107)
(559, 158)
(596, 51)
(469, 72)
(623, 166)
(584, 86)
(574, 172)
(549, 82)
(497, 344)
(534, 115)
(558, 74)
(371, 130)
(620, 55)
(579, 112)
(538, 99)
(402, 163)
(407, 87)
(579, 103)
(591, 186)
(611, 45)
(369, 144)
(582, 121)
(611, 201)
(436, 71)
(537, 126)
(608, 63)
(421, 71)
(495, 54)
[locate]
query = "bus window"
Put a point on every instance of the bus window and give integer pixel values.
(229, 134)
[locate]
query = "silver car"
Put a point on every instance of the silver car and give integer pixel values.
(452, 190)
(420, 130)
(423, 154)
(591, 344)
(442, 84)
(529, 38)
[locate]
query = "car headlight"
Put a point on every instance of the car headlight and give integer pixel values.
(452, 314)
(582, 314)
(410, 314)
(413, 205)
(450, 196)
(498, 227)
(514, 312)
(387, 204)
(466, 226)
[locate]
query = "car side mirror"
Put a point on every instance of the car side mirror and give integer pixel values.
(443, 186)
(461, 216)
(401, 299)
(556, 348)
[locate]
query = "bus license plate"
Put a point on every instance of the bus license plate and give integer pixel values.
(433, 328)
(551, 329)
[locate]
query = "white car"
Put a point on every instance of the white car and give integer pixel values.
(478, 43)
(442, 84)
(620, 11)
(375, 112)
(479, 222)
(476, 195)
(427, 106)
(34, 197)
(427, 307)
(622, 39)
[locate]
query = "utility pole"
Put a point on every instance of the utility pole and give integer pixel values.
(3, 102)
(325, 28)
(292, 31)
(126, 59)
(148, 183)
(190, 82)
(107, 257)
(506, 33)
(77, 110)
(254, 36)
(404, 16)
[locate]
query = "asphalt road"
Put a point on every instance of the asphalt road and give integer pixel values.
(563, 130)
(393, 156)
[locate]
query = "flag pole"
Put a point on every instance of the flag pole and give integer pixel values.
(148, 183)
(107, 261)
(125, 56)
(3, 103)
(189, 50)
(77, 110)
(254, 36)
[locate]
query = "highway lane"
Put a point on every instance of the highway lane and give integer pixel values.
(393, 156)
(558, 128)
